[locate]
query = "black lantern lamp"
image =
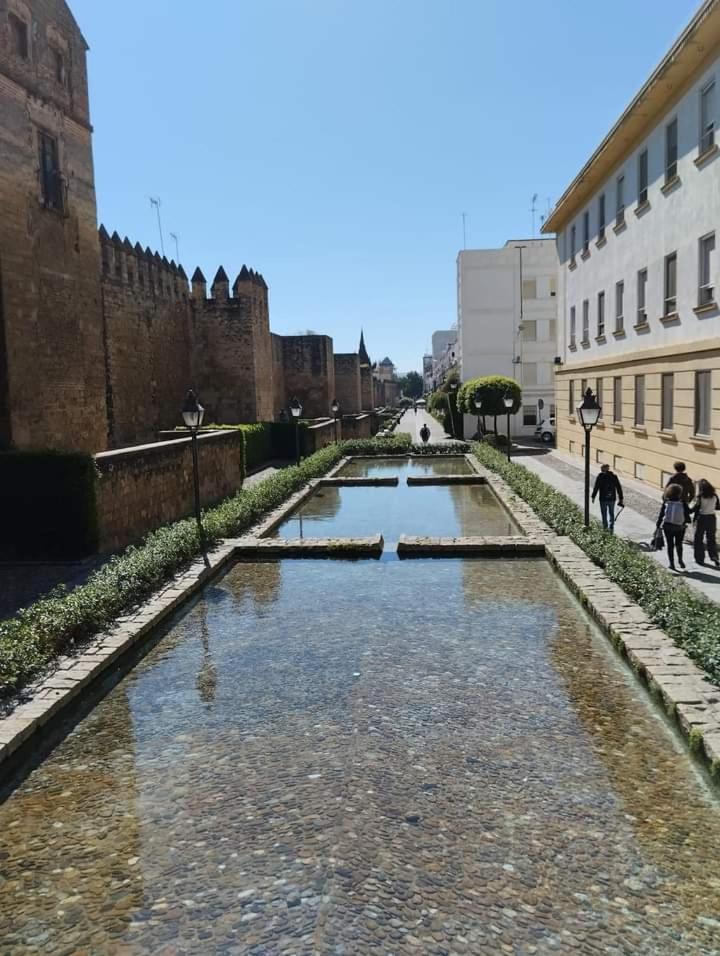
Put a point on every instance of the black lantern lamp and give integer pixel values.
(296, 412)
(589, 415)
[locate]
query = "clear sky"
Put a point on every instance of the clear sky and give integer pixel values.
(334, 144)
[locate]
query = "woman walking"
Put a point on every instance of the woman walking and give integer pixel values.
(674, 517)
(706, 523)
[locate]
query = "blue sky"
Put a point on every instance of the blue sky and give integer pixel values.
(334, 144)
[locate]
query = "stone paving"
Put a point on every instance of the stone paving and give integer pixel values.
(412, 422)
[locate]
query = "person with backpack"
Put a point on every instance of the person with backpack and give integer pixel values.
(607, 485)
(674, 518)
(706, 523)
(684, 480)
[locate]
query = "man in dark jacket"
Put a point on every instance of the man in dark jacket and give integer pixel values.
(682, 478)
(608, 487)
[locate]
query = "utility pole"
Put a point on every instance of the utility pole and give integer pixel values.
(177, 247)
(532, 211)
(155, 202)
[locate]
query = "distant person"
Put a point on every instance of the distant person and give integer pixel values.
(609, 490)
(425, 434)
(415, 407)
(684, 480)
(674, 518)
(706, 523)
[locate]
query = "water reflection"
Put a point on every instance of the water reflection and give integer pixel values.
(404, 467)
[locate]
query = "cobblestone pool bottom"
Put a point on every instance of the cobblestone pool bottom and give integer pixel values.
(431, 756)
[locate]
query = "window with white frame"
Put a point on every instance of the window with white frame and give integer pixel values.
(529, 288)
(552, 330)
(642, 177)
(671, 284)
(586, 322)
(573, 247)
(572, 327)
(619, 306)
(601, 216)
(642, 277)
(529, 330)
(529, 415)
(617, 399)
(703, 403)
(640, 400)
(707, 116)
(601, 314)
(571, 397)
(620, 200)
(586, 231)
(530, 373)
(671, 150)
(667, 384)
(706, 282)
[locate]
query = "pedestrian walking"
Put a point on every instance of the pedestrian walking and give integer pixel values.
(425, 434)
(704, 510)
(608, 488)
(681, 478)
(674, 517)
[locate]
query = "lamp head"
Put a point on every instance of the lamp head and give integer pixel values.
(589, 411)
(192, 411)
(295, 408)
(335, 406)
(508, 401)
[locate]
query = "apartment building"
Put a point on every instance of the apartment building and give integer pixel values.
(638, 280)
(507, 317)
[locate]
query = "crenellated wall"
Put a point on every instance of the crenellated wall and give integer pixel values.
(309, 372)
(347, 382)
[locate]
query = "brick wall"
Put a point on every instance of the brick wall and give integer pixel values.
(309, 372)
(366, 388)
(347, 382)
(51, 349)
(147, 486)
(358, 426)
(278, 376)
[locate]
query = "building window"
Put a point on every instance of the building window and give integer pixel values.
(529, 288)
(619, 306)
(666, 402)
(530, 373)
(671, 283)
(573, 235)
(553, 287)
(601, 217)
(671, 150)
(601, 315)
(586, 231)
(706, 290)
(707, 117)
(552, 411)
(572, 327)
(619, 200)
(571, 397)
(642, 177)
(599, 394)
(586, 322)
(552, 330)
(19, 36)
(583, 387)
(529, 415)
(51, 180)
(639, 470)
(617, 399)
(58, 59)
(641, 297)
(639, 399)
(529, 331)
(703, 403)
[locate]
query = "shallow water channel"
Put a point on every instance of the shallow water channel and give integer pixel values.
(433, 510)
(430, 756)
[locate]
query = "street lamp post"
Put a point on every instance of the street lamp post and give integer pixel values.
(478, 408)
(193, 414)
(589, 414)
(508, 401)
(336, 411)
(453, 391)
(296, 412)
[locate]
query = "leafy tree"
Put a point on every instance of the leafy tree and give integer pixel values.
(412, 384)
(444, 401)
(489, 392)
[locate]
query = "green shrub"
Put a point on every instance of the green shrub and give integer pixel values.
(48, 505)
(689, 619)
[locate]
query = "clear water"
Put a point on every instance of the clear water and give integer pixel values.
(402, 467)
(327, 757)
(434, 510)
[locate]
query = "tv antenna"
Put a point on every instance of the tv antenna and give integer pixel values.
(174, 237)
(155, 202)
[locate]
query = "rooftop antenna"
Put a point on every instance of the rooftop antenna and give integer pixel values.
(155, 201)
(177, 247)
(464, 232)
(532, 210)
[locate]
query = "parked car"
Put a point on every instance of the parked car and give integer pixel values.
(546, 431)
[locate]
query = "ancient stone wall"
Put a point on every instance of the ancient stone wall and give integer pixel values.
(309, 372)
(52, 382)
(319, 435)
(367, 393)
(347, 382)
(280, 401)
(358, 426)
(147, 486)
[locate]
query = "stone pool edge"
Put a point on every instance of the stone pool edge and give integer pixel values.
(666, 671)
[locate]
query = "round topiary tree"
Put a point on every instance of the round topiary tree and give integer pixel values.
(486, 396)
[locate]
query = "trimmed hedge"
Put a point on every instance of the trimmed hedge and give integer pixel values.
(48, 505)
(690, 620)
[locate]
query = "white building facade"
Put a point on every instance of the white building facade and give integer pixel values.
(507, 318)
(638, 281)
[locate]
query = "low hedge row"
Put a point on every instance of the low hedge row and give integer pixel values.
(690, 620)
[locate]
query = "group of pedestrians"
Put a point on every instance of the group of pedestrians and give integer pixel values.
(682, 504)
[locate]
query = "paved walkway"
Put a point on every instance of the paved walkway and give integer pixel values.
(636, 522)
(413, 421)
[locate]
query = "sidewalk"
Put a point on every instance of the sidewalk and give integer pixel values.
(413, 421)
(636, 522)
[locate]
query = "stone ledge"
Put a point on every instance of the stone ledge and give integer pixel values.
(508, 547)
(446, 480)
(309, 547)
(339, 482)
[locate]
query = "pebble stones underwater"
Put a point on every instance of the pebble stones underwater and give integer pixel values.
(430, 756)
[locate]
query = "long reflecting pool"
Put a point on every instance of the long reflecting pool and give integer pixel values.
(402, 467)
(323, 757)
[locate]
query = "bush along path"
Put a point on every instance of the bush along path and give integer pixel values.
(690, 620)
(64, 619)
